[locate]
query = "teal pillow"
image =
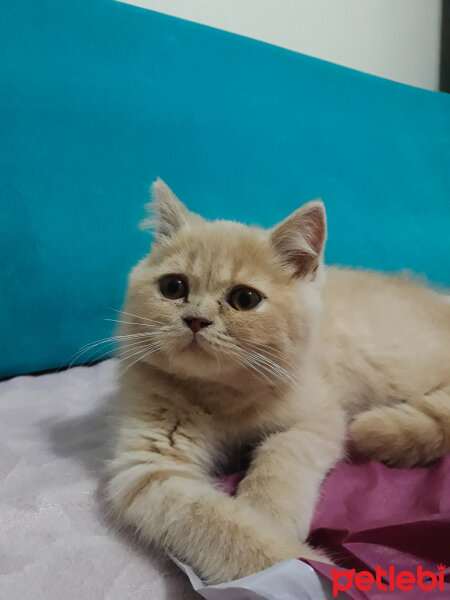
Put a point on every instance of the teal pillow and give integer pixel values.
(98, 98)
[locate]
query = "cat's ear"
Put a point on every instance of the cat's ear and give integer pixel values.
(167, 214)
(299, 240)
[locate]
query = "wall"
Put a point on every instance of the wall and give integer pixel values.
(397, 39)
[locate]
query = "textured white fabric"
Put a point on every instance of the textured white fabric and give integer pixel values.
(287, 580)
(54, 542)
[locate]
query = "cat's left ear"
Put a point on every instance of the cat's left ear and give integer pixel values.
(167, 214)
(300, 239)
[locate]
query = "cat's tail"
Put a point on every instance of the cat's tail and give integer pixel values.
(406, 434)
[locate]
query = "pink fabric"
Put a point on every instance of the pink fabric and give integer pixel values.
(371, 515)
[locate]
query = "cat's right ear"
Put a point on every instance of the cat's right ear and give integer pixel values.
(166, 214)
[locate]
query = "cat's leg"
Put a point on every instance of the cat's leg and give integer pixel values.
(285, 475)
(406, 434)
(171, 503)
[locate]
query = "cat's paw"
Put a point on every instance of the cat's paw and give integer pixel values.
(388, 434)
(371, 436)
(256, 557)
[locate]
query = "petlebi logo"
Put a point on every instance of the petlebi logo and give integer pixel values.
(388, 580)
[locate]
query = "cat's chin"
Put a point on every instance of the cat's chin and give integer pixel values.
(197, 345)
(198, 357)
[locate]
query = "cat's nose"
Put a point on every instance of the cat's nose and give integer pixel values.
(196, 323)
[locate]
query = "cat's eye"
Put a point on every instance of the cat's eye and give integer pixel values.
(244, 298)
(173, 287)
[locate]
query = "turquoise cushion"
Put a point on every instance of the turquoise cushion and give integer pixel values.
(98, 98)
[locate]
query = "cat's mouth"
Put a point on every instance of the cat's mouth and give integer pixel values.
(196, 343)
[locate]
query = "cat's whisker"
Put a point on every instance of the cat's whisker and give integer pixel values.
(121, 350)
(216, 354)
(275, 366)
(151, 326)
(256, 352)
(85, 350)
(156, 347)
(268, 350)
(262, 353)
(249, 368)
(115, 338)
(110, 340)
(261, 362)
(261, 368)
(255, 343)
(131, 353)
(244, 357)
(137, 316)
(103, 355)
(277, 375)
(270, 367)
(135, 352)
(255, 368)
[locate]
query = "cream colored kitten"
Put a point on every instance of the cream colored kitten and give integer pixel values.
(234, 335)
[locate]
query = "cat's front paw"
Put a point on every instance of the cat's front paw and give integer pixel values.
(250, 557)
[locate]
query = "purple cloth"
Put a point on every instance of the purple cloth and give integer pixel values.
(370, 515)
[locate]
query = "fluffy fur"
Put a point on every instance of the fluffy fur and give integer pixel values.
(325, 348)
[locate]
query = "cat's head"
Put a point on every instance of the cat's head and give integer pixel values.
(220, 299)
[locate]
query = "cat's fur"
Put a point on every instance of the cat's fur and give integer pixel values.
(325, 348)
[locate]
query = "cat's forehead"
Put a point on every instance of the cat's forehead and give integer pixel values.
(221, 253)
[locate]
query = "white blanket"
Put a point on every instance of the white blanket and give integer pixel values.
(54, 542)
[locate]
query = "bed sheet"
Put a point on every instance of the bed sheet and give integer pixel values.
(54, 542)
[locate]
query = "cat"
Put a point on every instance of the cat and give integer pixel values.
(236, 335)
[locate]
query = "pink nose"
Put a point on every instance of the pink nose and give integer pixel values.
(195, 324)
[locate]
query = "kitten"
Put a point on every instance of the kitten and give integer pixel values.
(235, 335)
